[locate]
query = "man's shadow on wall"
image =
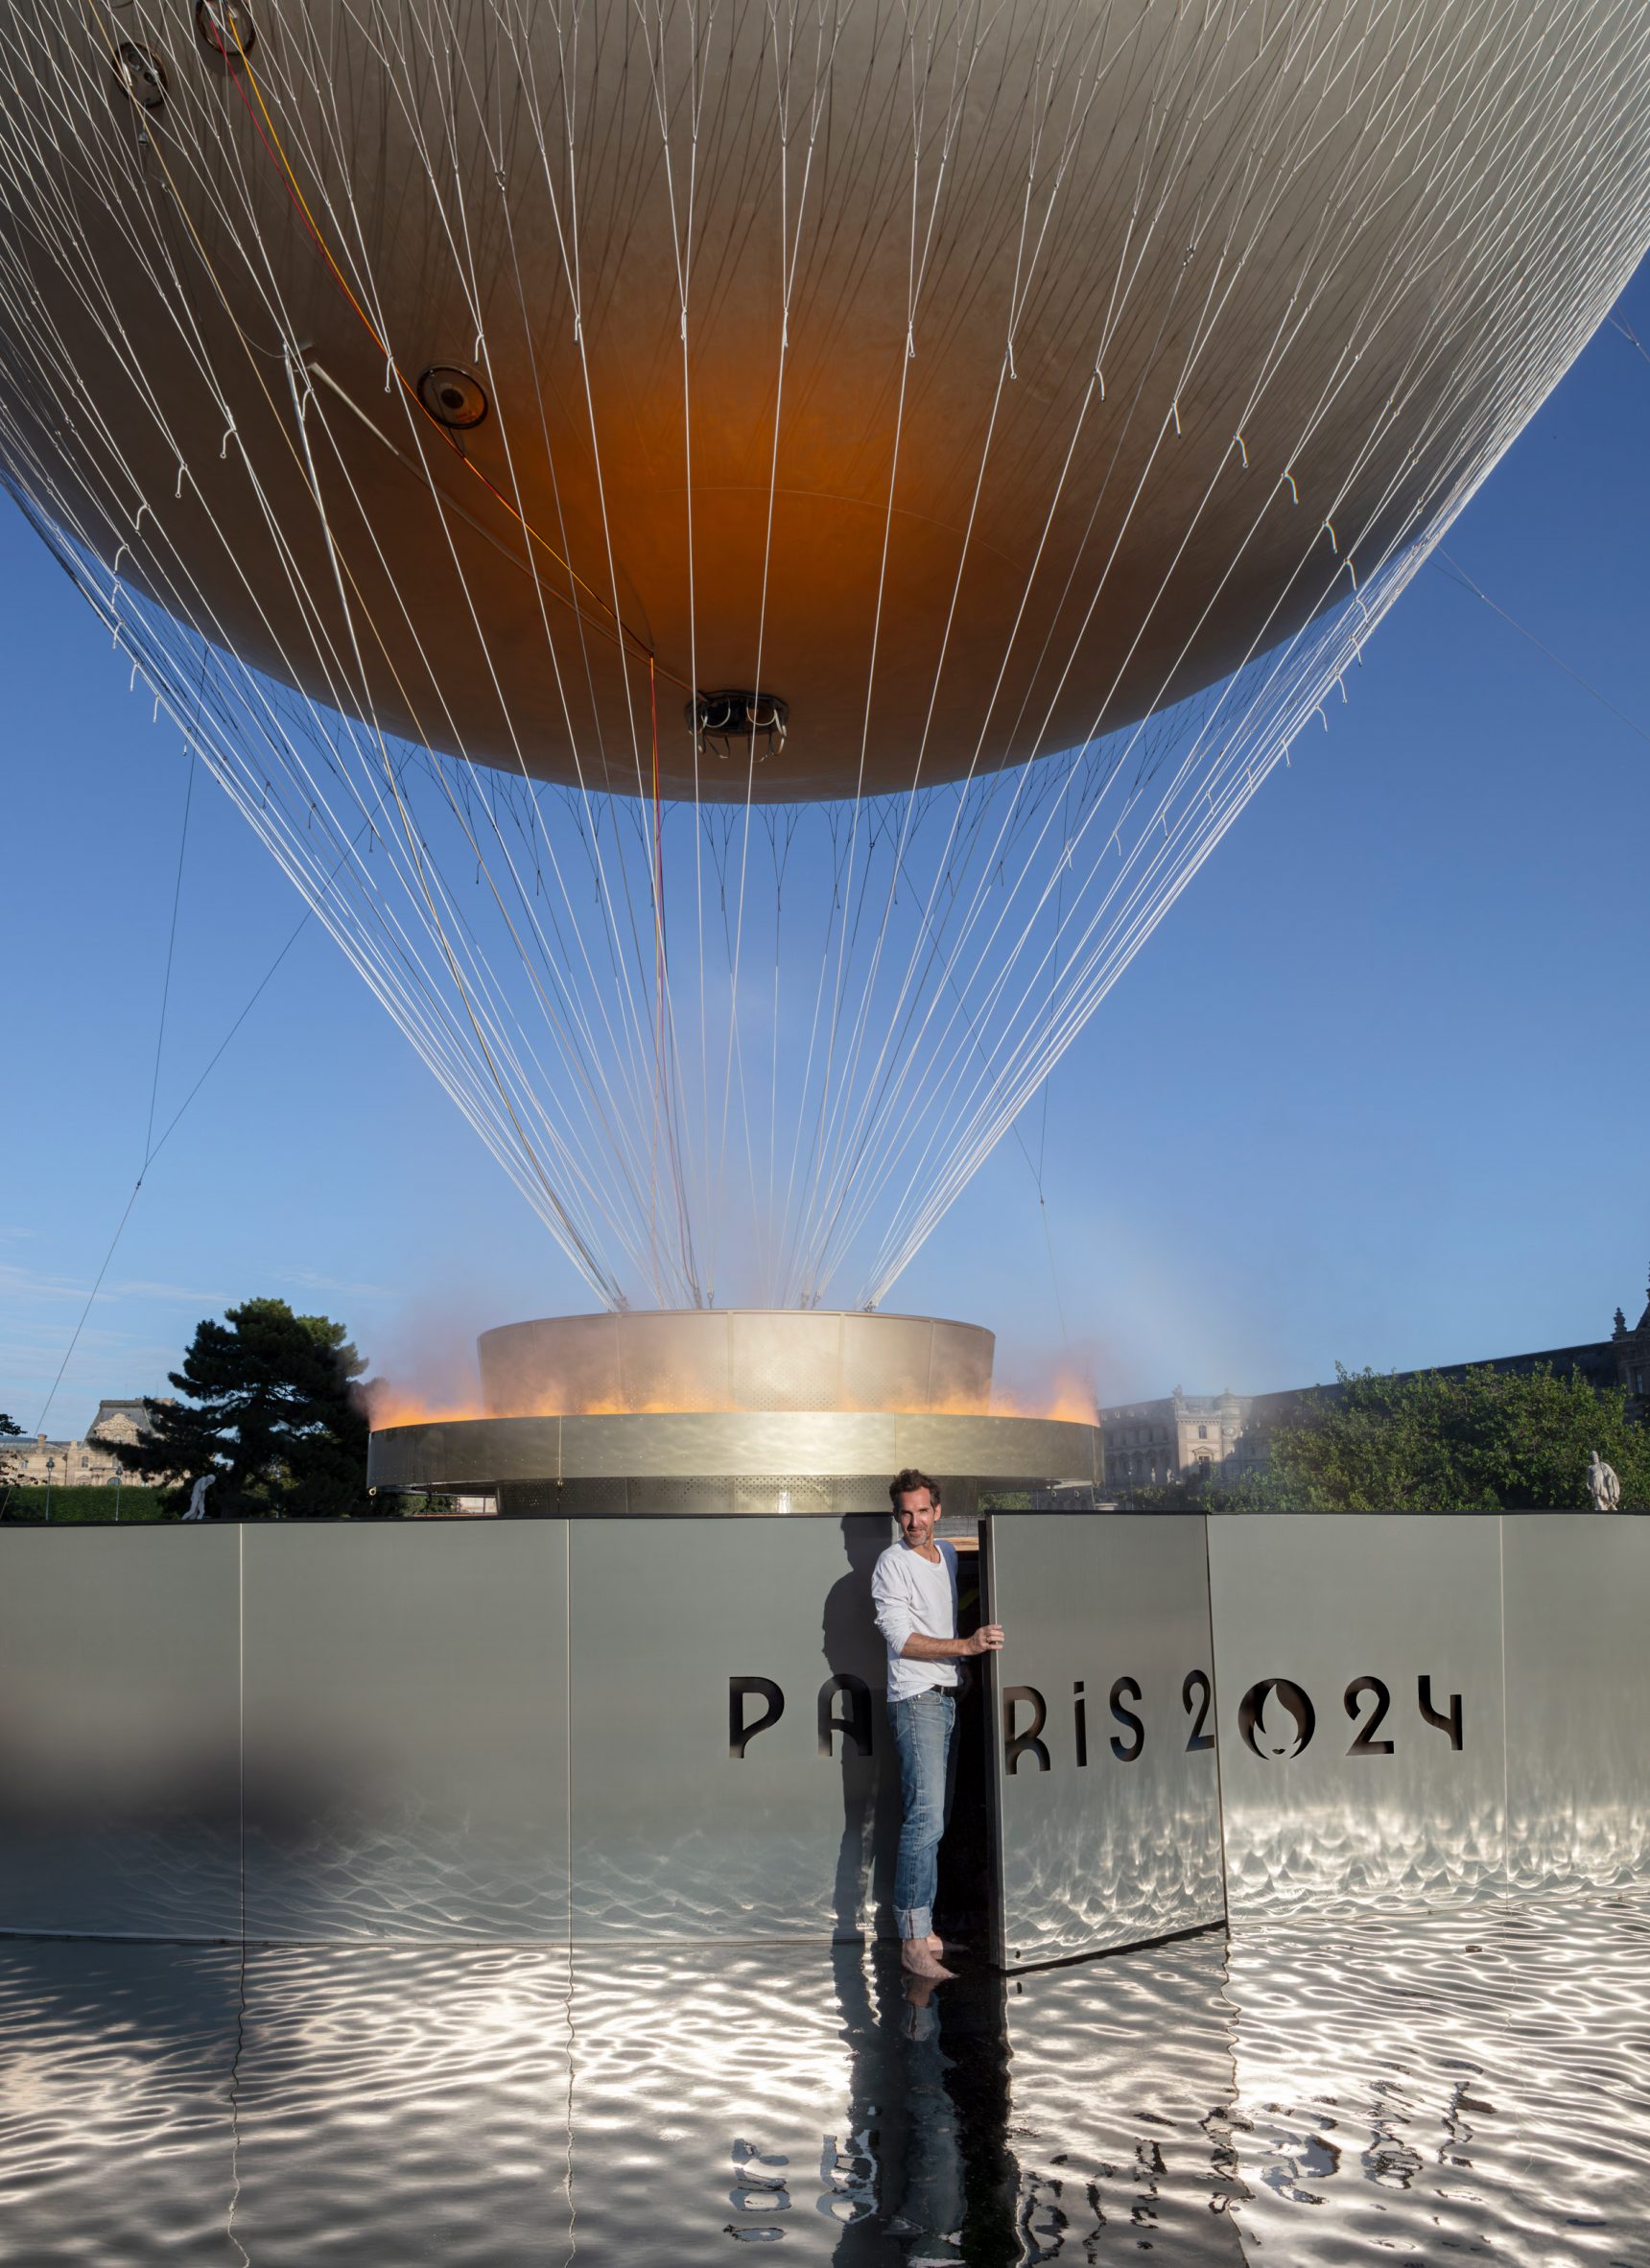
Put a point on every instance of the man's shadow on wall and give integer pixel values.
(854, 1727)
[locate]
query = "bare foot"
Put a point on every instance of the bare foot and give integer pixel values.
(918, 1960)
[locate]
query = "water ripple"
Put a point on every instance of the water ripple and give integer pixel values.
(1453, 2085)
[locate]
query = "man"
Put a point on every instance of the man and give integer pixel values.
(914, 1588)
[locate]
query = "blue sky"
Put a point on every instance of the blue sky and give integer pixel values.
(1376, 1091)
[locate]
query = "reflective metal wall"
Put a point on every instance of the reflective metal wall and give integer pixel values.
(1108, 1792)
(405, 1703)
(1359, 1668)
(119, 1731)
(405, 1730)
(730, 1736)
(428, 1730)
(1578, 1698)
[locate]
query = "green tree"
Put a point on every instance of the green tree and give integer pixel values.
(269, 1409)
(10, 1430)
(1481, 1441)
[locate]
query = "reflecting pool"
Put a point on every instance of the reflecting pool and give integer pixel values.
(1459, 2084)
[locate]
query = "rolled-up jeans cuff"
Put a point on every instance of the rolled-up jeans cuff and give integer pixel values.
(918, 1922)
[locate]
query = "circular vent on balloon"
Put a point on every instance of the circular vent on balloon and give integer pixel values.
(453, 397)
(140, 76)
(226, 27)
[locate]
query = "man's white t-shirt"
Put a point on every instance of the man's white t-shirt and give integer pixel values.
(915, 1596)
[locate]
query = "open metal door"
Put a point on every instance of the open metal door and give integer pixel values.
(1102, 1785)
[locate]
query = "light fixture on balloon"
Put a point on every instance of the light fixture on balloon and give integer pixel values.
(719, 720)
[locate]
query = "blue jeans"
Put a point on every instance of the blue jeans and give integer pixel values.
(922, 1734)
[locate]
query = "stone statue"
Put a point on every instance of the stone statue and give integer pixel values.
(1602, 1485)
(197, 1495)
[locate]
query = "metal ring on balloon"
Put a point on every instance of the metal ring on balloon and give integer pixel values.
(454, 397)
(226, 27)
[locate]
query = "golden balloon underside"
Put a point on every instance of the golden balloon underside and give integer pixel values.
(974, 405)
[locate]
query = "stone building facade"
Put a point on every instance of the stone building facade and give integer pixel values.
(1179, 1436)
(1631, 1349)
(89, 1462)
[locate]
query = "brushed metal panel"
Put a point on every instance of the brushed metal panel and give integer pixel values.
(717, 1442)
(1577, 1587)
(962, 1360)
(734, 1359)
(1323, 1601)
(465, 1452)
(1103, 1845)
(823, 1444)
(559, 1363)
(819, 1442)
(790, 1496)
(674, 1361)
(673, 1835)
(784, 1362)
(889, 1364)
(405, 1732)
(119, 1731)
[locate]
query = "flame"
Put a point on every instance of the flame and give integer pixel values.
(1070, 1398)
(388, 1405)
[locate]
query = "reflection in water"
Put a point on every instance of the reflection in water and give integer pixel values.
(921, 2167)
(1449, 2086)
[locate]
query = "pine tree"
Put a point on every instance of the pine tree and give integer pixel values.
(269, 1410)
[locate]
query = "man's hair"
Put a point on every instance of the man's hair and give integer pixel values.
(907, 1481)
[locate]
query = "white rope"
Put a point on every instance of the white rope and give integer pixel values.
(927, 955)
